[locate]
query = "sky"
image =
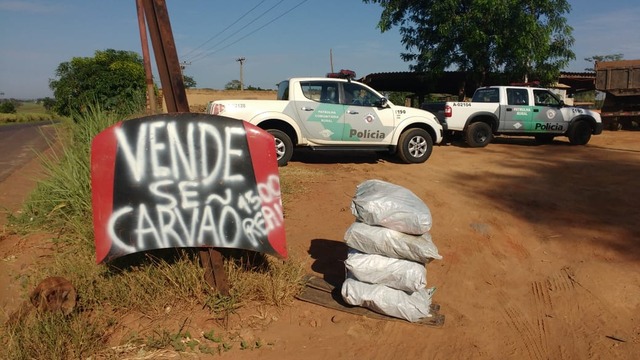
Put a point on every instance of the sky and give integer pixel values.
(278, 39)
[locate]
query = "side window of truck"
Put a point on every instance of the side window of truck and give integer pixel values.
(355, 94)
(486, 95)
(545, 98)
(283, 90)
(517, 97)
(324, 92)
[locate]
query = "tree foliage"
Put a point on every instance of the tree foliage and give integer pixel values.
(48, 103)
(597, 58)
(233, 85)
(520, 38)
(189, 81)
(7, 107)
(110, 78)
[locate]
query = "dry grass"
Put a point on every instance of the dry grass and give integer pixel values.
(61, 205)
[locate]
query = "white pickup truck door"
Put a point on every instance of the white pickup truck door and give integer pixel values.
(516, 116)
(548, 117)
(320, 114)
(364, 121)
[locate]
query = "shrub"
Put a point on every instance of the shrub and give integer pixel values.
(7, 107)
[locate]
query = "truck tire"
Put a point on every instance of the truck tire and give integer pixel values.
(580, 133)
(478, 134)
(284, 146)
(415, 146)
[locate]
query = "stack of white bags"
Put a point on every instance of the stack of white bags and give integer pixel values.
(389, 247)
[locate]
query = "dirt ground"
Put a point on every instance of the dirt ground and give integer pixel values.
(540, 246)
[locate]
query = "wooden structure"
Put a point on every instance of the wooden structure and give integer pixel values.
(157, 20)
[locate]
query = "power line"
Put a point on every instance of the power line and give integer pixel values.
(223, 30)
(206, 54)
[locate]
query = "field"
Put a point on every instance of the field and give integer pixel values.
(27, 111)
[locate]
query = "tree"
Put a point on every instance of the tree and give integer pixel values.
(112, 78)
(7, 107)
(48, 103)
(523, 39)
(189, 81)
(233, 85)
(254, 88)
(597, 58)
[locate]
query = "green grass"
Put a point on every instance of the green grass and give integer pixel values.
(33, 107)
(28, 111)
(61, 205)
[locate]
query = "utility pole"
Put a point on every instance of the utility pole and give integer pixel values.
(241, 61)
(183, 65)
(331, 58)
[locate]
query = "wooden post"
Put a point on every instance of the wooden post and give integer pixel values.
(157, 18)
(166, 55)
(214, 275)
(151, 95)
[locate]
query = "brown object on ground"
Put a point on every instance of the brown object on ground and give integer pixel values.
(52, 294)
(540, 246)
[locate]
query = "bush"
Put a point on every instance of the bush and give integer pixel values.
(7, 107)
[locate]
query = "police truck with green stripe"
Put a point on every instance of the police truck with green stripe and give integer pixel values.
(333, 113)
(521, 111)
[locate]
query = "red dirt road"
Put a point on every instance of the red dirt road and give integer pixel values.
(541, 248)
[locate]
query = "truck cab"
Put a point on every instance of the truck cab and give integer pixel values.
(331, 112)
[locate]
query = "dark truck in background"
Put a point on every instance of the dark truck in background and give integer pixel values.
(620, 81)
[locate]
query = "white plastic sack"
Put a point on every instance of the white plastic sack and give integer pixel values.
(382, 241)
(398, 274)
(409, 306)
(380, 203)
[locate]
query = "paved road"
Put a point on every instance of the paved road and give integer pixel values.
(20, 143)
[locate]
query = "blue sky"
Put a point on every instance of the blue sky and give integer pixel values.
(294, 38)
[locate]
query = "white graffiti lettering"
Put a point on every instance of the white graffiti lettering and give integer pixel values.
(186, 190)
(168, 156)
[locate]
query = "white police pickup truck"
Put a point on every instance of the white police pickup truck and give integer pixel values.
(336, 114)
(519, 110)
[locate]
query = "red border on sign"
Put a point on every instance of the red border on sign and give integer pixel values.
(262, 170)
(103, 159)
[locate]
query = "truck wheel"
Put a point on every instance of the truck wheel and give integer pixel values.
(580, 133)
(415, 146)
(478, 134)
(544, 138)
(284, 146)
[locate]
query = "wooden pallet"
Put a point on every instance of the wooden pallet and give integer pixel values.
(318, 291)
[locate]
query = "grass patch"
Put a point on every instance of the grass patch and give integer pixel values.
(27, 107)
(27, 112)
(19, 118)
(294, 180)
(146, 285)
(54, 336)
